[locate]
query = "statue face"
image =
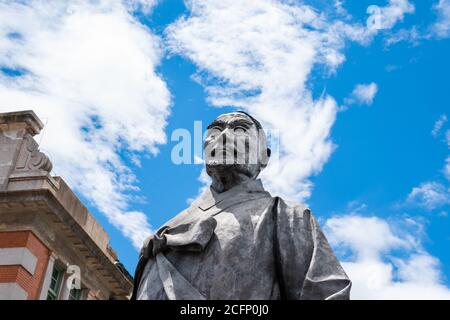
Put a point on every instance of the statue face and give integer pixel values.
(233, 140)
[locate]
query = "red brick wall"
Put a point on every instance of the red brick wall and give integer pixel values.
(30, 283)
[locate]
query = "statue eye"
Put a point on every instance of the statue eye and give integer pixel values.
(214, 131)
(240, 130)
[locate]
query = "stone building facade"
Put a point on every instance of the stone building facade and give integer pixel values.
(51, 247)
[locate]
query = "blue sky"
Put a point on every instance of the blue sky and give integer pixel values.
(362, 115)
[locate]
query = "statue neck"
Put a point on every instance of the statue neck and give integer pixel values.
(224, 180)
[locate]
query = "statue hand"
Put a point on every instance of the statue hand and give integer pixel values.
(154, 244)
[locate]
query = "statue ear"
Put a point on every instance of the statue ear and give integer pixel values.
(269, 152)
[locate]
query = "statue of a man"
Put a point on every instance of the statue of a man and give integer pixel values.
(236, 241)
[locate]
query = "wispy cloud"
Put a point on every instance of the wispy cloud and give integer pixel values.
(88, 70)
(412, 35)
(429, 195)
(384, 261)
(363, 94)
(441, 28)
(438, 125)
(386, 17)
(144, 6)
(447, 168)
(415, 35)
(447, 137)
(432, 195)
(447, 161)
(258, 56)
(339, 6)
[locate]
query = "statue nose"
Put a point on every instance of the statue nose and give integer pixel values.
(226, 136)
(227, 133)
(220, 138)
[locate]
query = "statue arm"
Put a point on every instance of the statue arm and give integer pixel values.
(308, 269)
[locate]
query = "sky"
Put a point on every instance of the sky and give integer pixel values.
(354, 95)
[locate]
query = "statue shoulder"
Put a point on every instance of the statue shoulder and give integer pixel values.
(293, 212)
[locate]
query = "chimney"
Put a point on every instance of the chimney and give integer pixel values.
(19, 152)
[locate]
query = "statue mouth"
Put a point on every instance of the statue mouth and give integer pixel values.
(215, 162)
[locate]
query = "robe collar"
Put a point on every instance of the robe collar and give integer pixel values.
(247, 190)
(211, 203)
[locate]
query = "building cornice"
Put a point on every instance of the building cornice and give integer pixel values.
(86, 234)
(28, 118)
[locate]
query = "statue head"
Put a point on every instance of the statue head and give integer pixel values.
(236, 144)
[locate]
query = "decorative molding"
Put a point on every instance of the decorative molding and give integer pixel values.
(30, 158)
(30, 120)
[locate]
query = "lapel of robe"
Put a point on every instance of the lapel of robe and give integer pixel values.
(206, 207)
(212, 203)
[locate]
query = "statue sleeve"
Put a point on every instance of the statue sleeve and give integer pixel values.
(307, 268)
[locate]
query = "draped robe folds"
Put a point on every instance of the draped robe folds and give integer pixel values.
(240, 244)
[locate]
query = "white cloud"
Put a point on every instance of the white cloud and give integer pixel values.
(258, 56)
(442, 26)
(141, 4)
(439, 29)
(89, 73)
(447, 168)
(261, 53)
(438, 125)
(363, 94)
(386, 17)
(386, 263)
(447, 137)
(433, 195)
(340, 9)
(391, 67)
(368, 237)
(429, 195)
(447, 161)
(411, 35)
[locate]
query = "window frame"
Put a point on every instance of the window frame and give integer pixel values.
(53, 293)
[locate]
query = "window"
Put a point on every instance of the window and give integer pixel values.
(75, 294)
(55, 283)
